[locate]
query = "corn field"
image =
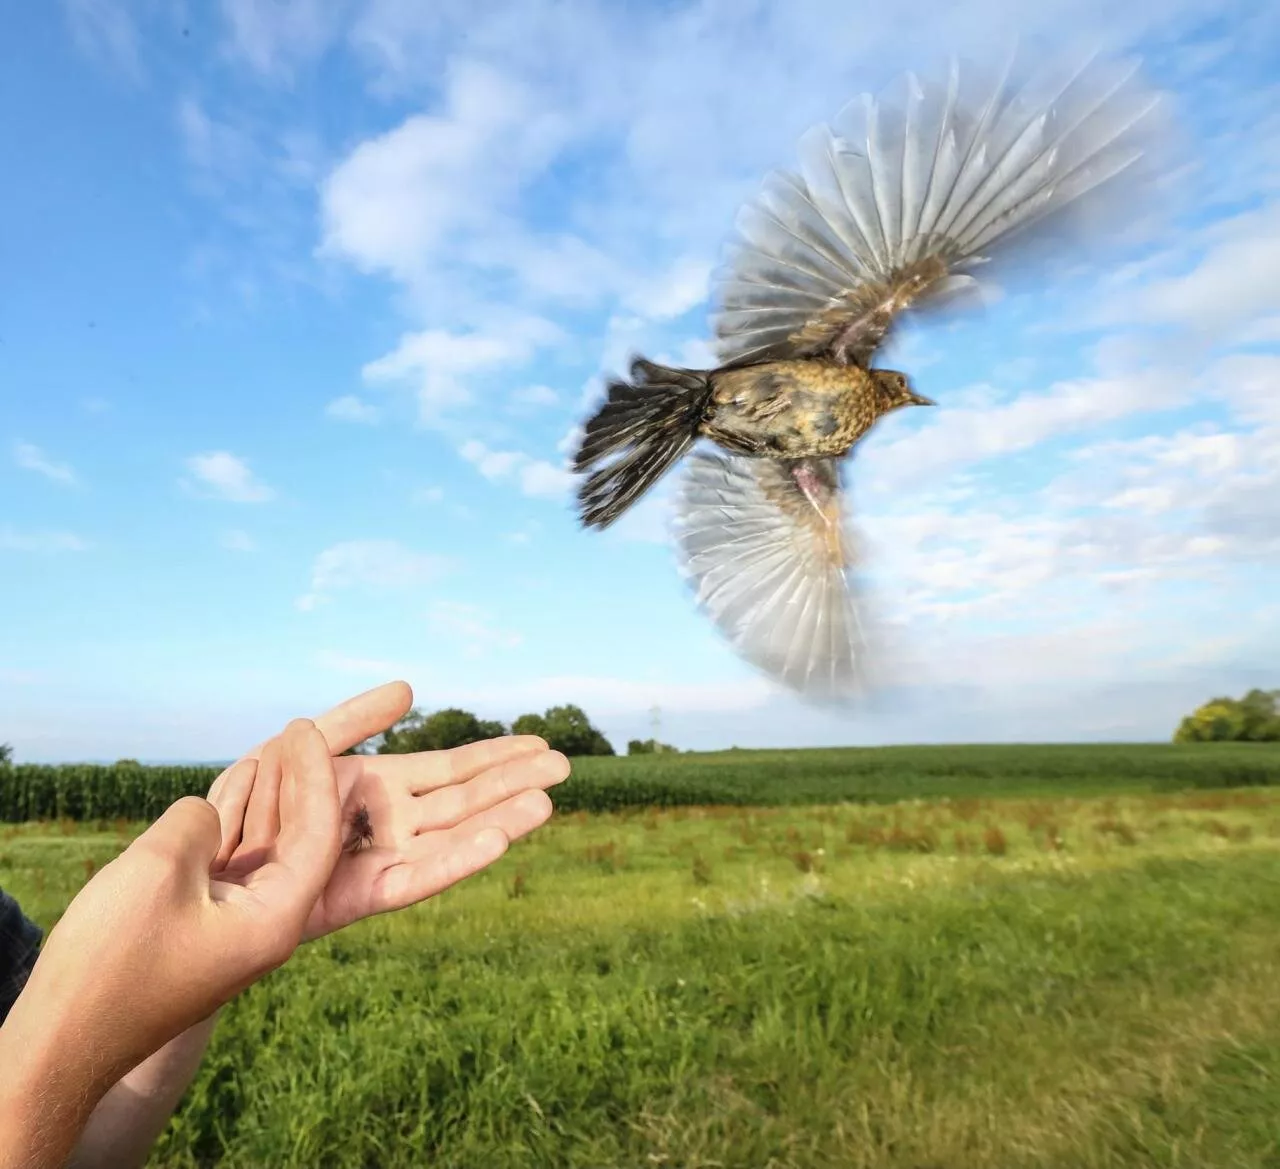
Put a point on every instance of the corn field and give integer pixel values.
(131, 791)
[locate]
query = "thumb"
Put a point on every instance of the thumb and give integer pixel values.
(187, 836)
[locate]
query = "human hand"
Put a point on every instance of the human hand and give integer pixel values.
(154, 943)
(436, 816)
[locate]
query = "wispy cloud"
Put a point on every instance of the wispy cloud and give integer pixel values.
(31, 458)
(237, 540)
(535, 397)
(437, 363)
(349, 408)
(12, 540)
(471, 626)
(226, 476)
(340, 663)
(104, 31)
(535, 477)
(218, 148)
(377, 566)
(275, 39)
(966, 434)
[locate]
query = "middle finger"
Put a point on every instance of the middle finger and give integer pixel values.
(448, 806)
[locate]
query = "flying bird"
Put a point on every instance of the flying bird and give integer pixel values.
(891, 212)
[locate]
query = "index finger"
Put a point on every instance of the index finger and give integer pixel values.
(358, 718)
(427, 770)
(308, 845)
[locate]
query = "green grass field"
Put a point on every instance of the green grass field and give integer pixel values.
(1088, 976)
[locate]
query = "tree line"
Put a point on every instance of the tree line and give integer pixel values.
(1255, 718)
(565, 728)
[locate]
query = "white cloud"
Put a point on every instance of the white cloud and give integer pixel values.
(970, 434)
(470, 625)
(535, 477)
(673, 292)
(377, 566)
(104, 30)
(426, 495)
(437, 362)
(696, 354)
(524, 535)
(225, 476)
(275, 38)
(349, 408)
(568, 445)
(212, 145)
(608, 696)
(534, 397)
(340, 663)
(31, 458)
(399, 200)
(12, 540)
(1233, 287)
(543, 480)
(236, 540)
(1129, 517)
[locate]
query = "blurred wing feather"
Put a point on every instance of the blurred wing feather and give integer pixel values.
(771, 572)
(893, 208)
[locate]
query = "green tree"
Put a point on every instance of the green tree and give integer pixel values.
(440, 731)
(530, 724)
(1219, 720)
(6, 754)
(404, 737)
(569, 731)
(1254, 718)
(1261, 711)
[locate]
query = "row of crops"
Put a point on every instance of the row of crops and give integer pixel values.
(133, 791)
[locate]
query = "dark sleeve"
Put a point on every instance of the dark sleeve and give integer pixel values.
(20, 940)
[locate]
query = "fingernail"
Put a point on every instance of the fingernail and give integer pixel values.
(552, 764)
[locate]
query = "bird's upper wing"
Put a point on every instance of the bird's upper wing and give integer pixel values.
(773, 571)
(894, 206)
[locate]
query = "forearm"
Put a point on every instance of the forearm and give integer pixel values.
(50, 1086)
(130, 1118)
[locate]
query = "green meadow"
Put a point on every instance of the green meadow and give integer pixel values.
(1062, 957)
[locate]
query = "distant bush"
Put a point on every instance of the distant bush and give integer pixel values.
(650, 747)
(1255, 718)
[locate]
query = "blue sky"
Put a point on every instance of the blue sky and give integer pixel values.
(301, 301)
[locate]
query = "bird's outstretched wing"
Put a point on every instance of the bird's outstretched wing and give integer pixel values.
(894, 206)
(772, 567)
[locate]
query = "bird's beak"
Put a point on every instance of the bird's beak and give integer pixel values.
(921, 400)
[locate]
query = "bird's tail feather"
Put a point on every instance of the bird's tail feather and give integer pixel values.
(647, 423)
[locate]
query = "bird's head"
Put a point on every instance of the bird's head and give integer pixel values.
(895, 391)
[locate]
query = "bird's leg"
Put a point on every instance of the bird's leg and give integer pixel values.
(823, 500)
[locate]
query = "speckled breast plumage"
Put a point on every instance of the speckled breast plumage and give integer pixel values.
(791, 409)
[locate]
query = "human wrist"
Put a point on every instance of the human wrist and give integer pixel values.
(52, 1082)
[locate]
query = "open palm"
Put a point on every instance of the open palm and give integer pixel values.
(436, 816)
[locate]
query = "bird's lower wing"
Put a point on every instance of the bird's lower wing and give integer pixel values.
(771, 565)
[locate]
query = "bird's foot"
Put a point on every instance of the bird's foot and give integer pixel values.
(826, 503)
